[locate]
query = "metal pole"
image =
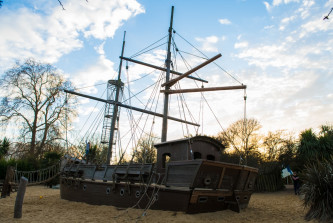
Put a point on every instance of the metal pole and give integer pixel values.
(115, 107)
(167, 78)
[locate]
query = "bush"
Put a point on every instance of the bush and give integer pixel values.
(3, 167)
(318, 190)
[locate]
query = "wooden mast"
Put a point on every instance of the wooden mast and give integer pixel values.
(115, 107)
(167, 78)
(119, 104)
(173, 81)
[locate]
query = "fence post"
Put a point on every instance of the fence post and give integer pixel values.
(20, 197)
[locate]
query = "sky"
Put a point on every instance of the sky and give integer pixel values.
(281, 49)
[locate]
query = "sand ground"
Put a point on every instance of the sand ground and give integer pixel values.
(43, 204)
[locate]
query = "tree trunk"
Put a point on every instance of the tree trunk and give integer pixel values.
(6, 189)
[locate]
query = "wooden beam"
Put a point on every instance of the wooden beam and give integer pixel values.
(161, 69)
(221, 177)
(204, 89)
(173, 81)
(130, 107)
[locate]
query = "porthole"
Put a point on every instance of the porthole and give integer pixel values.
(245, 198)
(156, 197)
(207, 181)
(108, 190)
(237, 198)
(122, 192)
(84, 187)
(220, 199)
(137, 194)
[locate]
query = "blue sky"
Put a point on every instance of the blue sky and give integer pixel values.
(281, 49)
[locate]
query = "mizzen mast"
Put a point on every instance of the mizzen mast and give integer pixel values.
(167, 78)
(115, 107)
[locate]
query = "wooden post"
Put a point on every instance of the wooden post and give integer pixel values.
(6, 189)
(20, 197)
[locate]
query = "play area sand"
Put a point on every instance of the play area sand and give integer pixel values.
(42, 204)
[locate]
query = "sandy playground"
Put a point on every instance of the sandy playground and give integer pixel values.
(42, 204)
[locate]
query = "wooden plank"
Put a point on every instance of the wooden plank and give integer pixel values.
(173, 81)
(203, 89)
(222, 175)
(212, 192)
(194, 199)
(247, 181)
(229, 165)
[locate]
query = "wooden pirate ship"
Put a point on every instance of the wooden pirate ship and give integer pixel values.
(188, 175)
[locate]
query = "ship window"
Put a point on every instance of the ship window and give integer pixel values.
(203, 199)
(165, 159)
(197, 155)
(210, 157)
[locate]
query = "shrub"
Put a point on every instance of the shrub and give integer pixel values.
(318, 190)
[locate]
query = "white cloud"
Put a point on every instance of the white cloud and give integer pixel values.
(101, 70)
(49, 35)
(305, 9)
(208, 43)
(285, 101)
(277, 3)
(314, 26)
(286, 21)
(269, 27)
(267, 5)
(286, 56)
(243, 44)
(225, 21)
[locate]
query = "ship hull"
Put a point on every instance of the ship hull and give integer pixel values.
(188, 186)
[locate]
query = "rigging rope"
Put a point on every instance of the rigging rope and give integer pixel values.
(89, 86)
(135, 125)
(141, 51)
(207, 58)
(89, 116)
(149, 50)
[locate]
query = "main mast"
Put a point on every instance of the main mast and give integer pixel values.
(167, 78)
(115, 107)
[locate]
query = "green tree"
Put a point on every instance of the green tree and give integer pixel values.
(4, 147)
(314, 146)
(34, 100)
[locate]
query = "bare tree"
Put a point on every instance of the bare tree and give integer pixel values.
(242, 137)
(32, 97)
(275, 144)
(145, 151)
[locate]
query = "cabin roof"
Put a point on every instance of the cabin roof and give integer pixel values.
(195, 138)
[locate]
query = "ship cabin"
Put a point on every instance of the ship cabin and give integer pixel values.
(194, 148)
